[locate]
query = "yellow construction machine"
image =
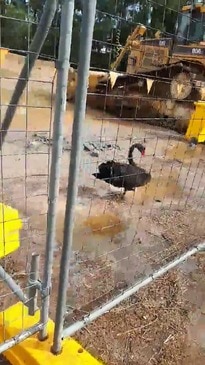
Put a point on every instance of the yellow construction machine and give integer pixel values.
(165, 75)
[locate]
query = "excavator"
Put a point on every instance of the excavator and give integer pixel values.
(165, 75)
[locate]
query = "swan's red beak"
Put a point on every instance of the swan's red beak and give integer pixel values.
(143, 153)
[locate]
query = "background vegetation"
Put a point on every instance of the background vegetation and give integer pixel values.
(115, 19)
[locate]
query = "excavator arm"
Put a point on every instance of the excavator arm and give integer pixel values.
(138, 31)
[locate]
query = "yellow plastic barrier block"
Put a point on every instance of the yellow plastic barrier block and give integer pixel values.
(10, 225)
(3, 53)
(201, 138)
(15, 319)
(197, 123)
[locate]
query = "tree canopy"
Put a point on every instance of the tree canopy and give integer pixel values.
(115, 20)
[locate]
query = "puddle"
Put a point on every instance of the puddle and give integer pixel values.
(197, 332)
(189, 266)
(94, 234)
(157, 190)
(196, 329)
(105, 224)
(184, 153)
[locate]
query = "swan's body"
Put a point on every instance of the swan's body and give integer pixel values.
(124, 175)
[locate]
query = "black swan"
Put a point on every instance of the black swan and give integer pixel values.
(124, 175)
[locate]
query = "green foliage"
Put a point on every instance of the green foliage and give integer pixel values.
(14, 30)
(112, 17)
(164, 15)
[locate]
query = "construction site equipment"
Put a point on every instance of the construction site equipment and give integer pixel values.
(166, 72)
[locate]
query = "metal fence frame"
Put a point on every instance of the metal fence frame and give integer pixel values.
(79, 115)
(70, 330)
(63, 67)
(88, 21)
(61, 89)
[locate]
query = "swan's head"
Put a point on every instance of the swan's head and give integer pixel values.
(140, 148)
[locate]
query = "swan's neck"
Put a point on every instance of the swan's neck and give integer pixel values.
(130, 156)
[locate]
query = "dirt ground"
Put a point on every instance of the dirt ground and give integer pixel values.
(115, 242)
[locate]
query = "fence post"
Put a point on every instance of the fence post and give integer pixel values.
(34, 50)
(33, 279)
(88, 21)
(60, 105)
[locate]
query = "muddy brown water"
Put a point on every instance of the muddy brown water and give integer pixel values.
(183, 153)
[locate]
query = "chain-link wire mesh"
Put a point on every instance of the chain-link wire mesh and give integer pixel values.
(25, 152)
(117, 240)
(163, 323)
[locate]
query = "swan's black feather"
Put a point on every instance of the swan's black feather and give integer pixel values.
(124, 175)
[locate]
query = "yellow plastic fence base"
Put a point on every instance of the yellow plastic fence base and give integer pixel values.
(197, 123)
(15, 319)
(3, 53)
(10, 225)
(201, 138)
